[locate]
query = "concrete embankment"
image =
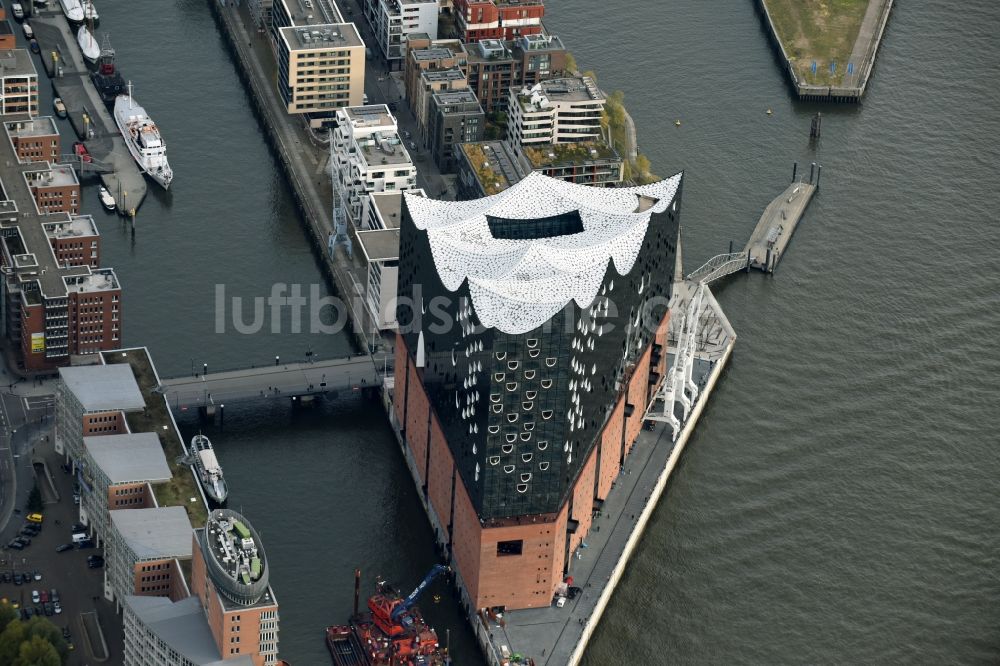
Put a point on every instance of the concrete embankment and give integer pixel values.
(861, 62)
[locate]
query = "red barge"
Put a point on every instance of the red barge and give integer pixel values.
(391, 633)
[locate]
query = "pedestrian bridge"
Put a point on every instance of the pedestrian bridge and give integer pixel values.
(290, 380)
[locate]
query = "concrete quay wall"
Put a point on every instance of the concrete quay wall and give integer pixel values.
(810, 92)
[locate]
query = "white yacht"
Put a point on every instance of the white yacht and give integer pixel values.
(143, 139)
(73, 9)
(209, 471)
(88, 44)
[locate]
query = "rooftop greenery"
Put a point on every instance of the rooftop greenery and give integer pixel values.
(492, 181)
(182, 486)
(562, 153)
(820, 31)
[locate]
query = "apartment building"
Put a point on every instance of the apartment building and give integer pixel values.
(498, 19)
(433, 81)
(75, 241)
(321, 59)
(393, 21)
(35, 139)
(455, 117)
(563, 110)
(142, 551)
(430, 58)
(18, 83)
(369, 156)
(92, 401)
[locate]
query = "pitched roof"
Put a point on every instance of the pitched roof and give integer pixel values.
(103, 388)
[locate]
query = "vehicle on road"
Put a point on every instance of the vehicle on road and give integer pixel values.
(62, 548)
(80, 536)
(95, 564)
(18, 579)
(79, 527)
(16, 544)
(54, 595)
(86, 543)
(35, 597)
(364, 98)
(49, 610)
(66, 633)
(17, 10)
(44, 594)
(35, 518)
(33, 45)
(57, 608)
(26, 29)
(80, 149)
(59, 107)
(38, 575)
(7, 577)
(412, 145)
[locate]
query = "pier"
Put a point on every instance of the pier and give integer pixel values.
(289, 381)
(90, 118)
(776, 225)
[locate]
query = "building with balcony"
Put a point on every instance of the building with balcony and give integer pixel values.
(436, 55)
(393, 21)
(115, 472)
(76, 241)
(18, 83)
(555, 111)
(143, 551)
(455, 117)
(498, 19)
(320, 57)
(486, 168)
(230, 576)
(518, 413)
(92, 401)
(433, 81)
(586, 162)
(55, 189)
(495, 66)
(369, 156)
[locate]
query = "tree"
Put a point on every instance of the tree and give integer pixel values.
(50, 633)
(7, 614)
(35, 499)
(10, 642)
(37, 652)
(570, 63)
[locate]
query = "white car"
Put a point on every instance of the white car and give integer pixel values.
(34, 597)
(26, 29)
(57, 608)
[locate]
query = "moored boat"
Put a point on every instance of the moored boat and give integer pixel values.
(90, 14)
(73, 9)
(107, 200)
(88, 45)
(143, 139)
(107, 79)
(209, 471)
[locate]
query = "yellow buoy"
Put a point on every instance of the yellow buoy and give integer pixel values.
(677, 123)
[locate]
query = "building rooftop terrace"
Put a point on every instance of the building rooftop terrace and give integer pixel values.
(322, 37)
(28, 127)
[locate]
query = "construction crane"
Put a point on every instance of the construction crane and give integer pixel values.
(400, 610)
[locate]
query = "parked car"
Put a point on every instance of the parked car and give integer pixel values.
(76, 498)
(35, 597)
(79, 527)
(62, 548)
(18, 579)
(48, 609)
(17, 10)
(66, 633)
(38, 575)
(44, 594)
(86, 543)
(54, 595)
(16, 545)
(80, 149)
(35, 518)
(95, 564)
(57, 608)
(26, 29)
(33, 45)
(25, 613)
(7, 577)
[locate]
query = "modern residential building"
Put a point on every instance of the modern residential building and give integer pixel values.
(432, 57)
(455, 117)
(586, 162)
(35, 139)
(393, 21)
(369, 156)
(433, 81)
(486, 168)
(56, 303)
(321, 59)
(142, 553)
(18, 83)
(229, 575)
(540, 57)
(498, 19)
(92, 400)
(518, 413)
(162, 632)
(555, 111)
(115, 472)
(495, 66)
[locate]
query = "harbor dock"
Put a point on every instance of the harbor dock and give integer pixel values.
(90, 118)
(847, 81)
(776, 225)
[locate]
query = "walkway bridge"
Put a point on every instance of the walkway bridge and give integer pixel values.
(719, 266)
(287, 380)
(83, 166)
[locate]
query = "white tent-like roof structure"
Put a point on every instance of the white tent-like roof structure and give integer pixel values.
(518, 284)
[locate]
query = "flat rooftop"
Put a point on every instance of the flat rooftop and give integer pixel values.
(102, 279)
(129, 458)
(465, 96)
(494, 166)
(434, 53)
(103, 388)
(371, 115)
(439, 75)
(389, 205)
(579, 153)
(312, 12)
(17, 62)
(322, 37)
(538, 42)
(568, 89)
(183, 626)
(383, 148)
(152, 534)
(29, 127)
(380, 244)
(75, 227)
(56, 175)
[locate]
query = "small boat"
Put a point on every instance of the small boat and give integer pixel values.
(143, 139)
(88, 45)
(73, 9)
(59, 107)
(209, 471)
(107, 200)
(90, 14)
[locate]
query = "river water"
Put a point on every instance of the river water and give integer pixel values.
(838, 500)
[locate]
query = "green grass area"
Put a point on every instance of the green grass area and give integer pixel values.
(179, 490)
(820, 31)
(493, 181)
